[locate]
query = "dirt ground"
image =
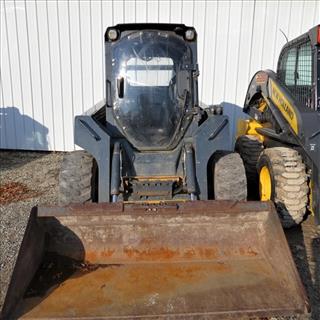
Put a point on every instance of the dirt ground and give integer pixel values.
(30, 178)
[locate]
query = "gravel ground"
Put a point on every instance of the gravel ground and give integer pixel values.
(26, 179)
(30, 178)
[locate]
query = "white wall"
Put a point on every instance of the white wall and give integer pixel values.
(52, 59)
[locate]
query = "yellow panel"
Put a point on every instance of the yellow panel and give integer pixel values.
(242, 127)
(253, 125)
(265, 185)
(262, 105)
(249, 127)
(284, 106)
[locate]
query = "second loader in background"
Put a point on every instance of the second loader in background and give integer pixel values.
(280, 144)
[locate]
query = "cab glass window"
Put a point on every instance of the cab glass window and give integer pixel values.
(156, 71)
(304, 67)
(289, 67)
(295, 72)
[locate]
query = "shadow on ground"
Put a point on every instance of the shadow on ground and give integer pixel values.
(10, 159)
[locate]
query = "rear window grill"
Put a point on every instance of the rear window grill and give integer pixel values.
(295, 73)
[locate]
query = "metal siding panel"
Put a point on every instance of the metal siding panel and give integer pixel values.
(38, 135)
(5, 83)
(221, 52)
(187, 12)
(271, 31)
(76, 60)
(97, 50)
(130, 11)
(164, 11)
(107, 15)
(40, 130)
(56, 76)
(3, 136)
(141, 11)
(231, 65)
(66, 73)
(26, 80)
(175, 11)
(102, 53)
(258, 34)
(243, 77)
(107, 19)
(45, 72)
(316, 10)
(2, 104)
(85, 34)
(282, 25)
(118, 12)
(53, 66)
(294, 28)
(199, 16)
(232, 61)
(152, 13)
(207, 66)
(11, 80)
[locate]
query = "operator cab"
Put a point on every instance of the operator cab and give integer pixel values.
(298, 67)
(149, 82)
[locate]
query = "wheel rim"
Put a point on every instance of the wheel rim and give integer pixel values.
(265, 184)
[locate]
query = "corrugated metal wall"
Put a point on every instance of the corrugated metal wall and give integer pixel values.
(52, 59)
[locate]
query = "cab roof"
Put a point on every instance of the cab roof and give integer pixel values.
(179, 29)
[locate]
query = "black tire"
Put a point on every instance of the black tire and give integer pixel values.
(76, 178)
(229, 176)
(250, 147)
(289, 183)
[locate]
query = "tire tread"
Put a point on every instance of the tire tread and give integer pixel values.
(75, 178)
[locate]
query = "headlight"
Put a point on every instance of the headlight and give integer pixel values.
(112, 34)
(190, 34)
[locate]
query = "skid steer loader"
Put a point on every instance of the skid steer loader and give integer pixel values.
(280, 144)
(153, 220)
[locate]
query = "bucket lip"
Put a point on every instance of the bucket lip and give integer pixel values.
(204, 207)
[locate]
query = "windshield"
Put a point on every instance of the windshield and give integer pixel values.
(158, 71)
(147, 104)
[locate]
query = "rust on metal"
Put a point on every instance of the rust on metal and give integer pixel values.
(217, 259)
(166, 254)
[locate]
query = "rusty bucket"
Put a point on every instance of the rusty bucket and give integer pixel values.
(202, 259)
